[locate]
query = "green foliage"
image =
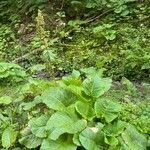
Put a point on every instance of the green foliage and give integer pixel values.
(19, 7)
(103, 39)
(139, 117)
(122, 49)
(91, 139)
(30, 141)
(85, 110)
(139, 141)
(8, 137)
(107, 109)
(70, 114)
(106, 31)
(119, 7)
(96, 86)
(38, 126)
(60, 123)
(81, 34)
(64, 143)
(5, 100)
(11, 72)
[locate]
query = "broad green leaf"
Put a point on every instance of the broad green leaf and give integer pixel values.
(61, 122)
(85, 110)
(3, 118)
(75, 74)
(74, 89)
(114, 129)
(77, 91)
(30, 141)
(91, 72)
(108, 109)
(57, 98)
(96, 86)
(100, 125)
(8, 137)
(63, 143)
(73, 79)
(76, 139)
(30, 105)
(134, 139)
(112, 141)
(38, 126)
(122, 144)
(5, 100)
(91, 139)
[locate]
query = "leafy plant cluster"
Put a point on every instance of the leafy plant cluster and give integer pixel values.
(120, 48)
(119, 7)
(139, 117)
(84, 110)
(71, 34)
(11, 72)
(69, 114)
(18, 8)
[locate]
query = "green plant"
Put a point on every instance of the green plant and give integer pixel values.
(69, 114)
(11, 72)
(139, 117)
(100, 46)
(106, 31)
(86, 109)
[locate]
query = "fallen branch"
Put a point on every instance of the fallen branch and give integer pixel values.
(104, 13)
(27, 55)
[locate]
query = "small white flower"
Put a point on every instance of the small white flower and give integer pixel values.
(94, 129)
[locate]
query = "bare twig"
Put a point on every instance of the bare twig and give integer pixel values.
(27, 55)
(70, 45)
(104, 13)
(62, 5)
